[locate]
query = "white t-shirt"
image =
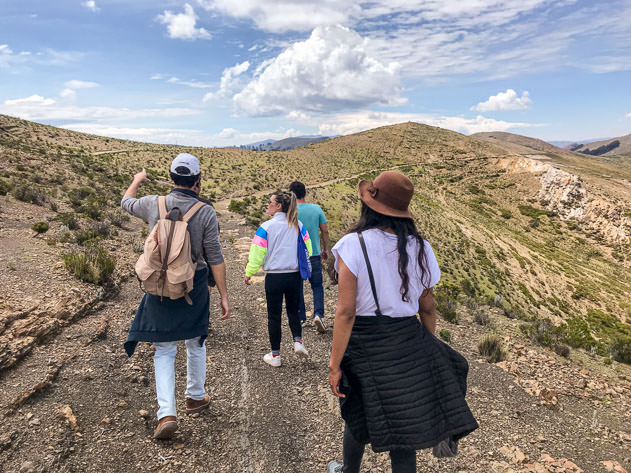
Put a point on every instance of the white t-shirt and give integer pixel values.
(384, 259)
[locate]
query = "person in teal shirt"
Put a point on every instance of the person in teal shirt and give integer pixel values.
(312, 217)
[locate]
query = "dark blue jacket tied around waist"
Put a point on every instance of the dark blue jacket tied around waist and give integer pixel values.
(169, 320)
(405, 389)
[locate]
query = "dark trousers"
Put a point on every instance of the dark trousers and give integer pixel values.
(403, 461)
(316, 287)
(278, 285)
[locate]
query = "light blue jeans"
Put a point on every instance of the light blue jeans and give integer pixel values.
(164, 364)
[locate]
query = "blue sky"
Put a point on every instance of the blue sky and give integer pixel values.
(219, 72)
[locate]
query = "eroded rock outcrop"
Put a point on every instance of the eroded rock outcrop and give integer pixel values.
(566, 195)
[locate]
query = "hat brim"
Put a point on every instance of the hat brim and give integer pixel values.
(377, 206)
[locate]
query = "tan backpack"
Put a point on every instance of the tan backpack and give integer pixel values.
(165, 268)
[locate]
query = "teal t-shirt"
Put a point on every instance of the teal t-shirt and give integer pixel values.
(311, 216)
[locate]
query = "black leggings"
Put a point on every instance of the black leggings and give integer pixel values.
(403, 461)
(278, 285)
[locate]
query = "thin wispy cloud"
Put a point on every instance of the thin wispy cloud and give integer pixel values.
(90, 5)
(182, 25)
(190, 83)
(46, 57)
(503, 101)
(81, 84)
(37, 107)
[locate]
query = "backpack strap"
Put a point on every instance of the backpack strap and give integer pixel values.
(162, 207)
(192, 211)
(370, 276)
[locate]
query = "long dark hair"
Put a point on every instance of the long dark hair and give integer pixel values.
(403, 228)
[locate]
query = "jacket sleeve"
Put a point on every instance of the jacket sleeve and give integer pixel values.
(258, 249)
(307, 239)
(140, 208)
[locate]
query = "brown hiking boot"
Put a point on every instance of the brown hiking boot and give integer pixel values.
(166, 428)
(193, 406)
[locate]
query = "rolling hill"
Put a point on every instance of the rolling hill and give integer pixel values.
(534, 249)
(518, 143)
(542, 238)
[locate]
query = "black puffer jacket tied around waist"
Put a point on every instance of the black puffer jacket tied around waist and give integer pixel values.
(405, 389)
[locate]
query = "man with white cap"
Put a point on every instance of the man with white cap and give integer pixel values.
(165, 321)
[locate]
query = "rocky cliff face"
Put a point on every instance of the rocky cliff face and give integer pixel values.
(565, 194)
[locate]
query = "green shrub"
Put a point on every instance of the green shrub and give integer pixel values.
(40, 227)
(532, 212)
(445, 335)
(448, 310)
(543, 332)
(93, 264)
(490, 346)
(118, 218)
(29, 193)
(94, 231)
(506, 213)
(5, 187)
(562, 350)
(78, 196)
(576, 333)
(620, 349)
(69, 219)
(238, 206)
(480, 317)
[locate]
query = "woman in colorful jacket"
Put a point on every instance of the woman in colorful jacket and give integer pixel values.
(275, 246)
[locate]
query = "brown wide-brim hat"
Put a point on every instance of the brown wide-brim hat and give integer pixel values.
(389, 194)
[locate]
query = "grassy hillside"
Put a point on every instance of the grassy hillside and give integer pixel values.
(497, 244)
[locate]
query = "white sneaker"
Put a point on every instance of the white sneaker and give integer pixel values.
(334, 467)
(299, 348)
(271, 359)
(319, 323)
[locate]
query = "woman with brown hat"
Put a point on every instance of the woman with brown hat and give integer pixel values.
(400, 388)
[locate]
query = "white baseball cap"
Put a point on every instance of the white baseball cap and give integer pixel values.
(187, 161)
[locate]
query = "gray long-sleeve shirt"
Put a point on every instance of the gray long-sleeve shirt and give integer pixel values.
(202, 227)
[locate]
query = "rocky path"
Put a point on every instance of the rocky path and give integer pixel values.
(77, 404)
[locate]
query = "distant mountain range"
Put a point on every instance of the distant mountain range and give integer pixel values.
(284, 144)
(608, 147)
(618, 146)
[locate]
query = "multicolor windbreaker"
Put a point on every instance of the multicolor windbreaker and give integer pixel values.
(275, 246)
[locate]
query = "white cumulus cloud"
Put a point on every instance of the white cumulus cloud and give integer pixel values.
(182, 25)
(330, 71)
(628, 115)
(90, 5)
(228, 81)
(508, 100)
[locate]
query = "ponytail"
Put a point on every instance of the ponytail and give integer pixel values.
(292, 212)
(289, 205)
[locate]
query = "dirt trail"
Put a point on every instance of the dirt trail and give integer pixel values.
(222, 205)
(261, 419)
